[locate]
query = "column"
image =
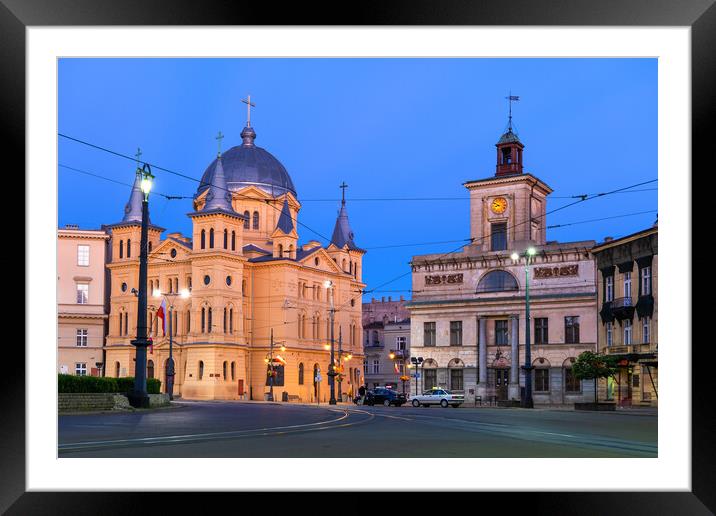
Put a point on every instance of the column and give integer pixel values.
(513, 391)
(482, 357)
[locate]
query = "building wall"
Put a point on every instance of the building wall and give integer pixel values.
(73, 316)
(388, 319)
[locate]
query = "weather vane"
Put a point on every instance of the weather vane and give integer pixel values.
(511, 98)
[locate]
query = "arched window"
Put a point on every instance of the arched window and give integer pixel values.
(116, 369)
(149, 247)
(456, 367)
(129, 248)
(225, 321)
(208, 322)
(233, 240)
(226, 239)
(231, 320)
(201, 369)
(211, 238)
(121, 248)
(572, 385)
(541, 375)
(233, 370)
(226, 364)
(290, 251)
(120, 323)
(188, 321)
(203, 320)
(150, 368)
(280, 250)
(343, 266)
(497, 281)
(203, 239)
(314, 327)
(300, 373)
(126, 323)
(256, 220)
(247, 219)
(171, 286)
(176, 284)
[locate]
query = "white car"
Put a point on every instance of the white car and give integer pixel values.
(440, 397)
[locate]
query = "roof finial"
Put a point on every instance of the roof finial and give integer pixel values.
(343, 188)
(137, 155)
(219, 137)
(511, 98)
(249, 105)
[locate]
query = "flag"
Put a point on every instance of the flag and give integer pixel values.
(160, 313)
(395, 366)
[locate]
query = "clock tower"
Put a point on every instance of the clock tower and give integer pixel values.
(507, 210)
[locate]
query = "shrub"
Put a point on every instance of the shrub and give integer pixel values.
(72, 383)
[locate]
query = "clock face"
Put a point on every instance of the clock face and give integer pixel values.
(499, 205)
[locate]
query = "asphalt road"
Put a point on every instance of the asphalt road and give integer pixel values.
(235, 429)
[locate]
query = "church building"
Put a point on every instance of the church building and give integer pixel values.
(250, 305)
(468, 310)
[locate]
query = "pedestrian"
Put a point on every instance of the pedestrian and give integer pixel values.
(361, 394)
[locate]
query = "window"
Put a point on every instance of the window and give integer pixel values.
(498, 234)
(203, 239)
(173, 253)
(431, 378)
(610, 338)
(208, 322)
(497, 281)
(541, 380)
(247, 219)
(609, 288)
(83, 293)
(211, 238)
(456, 333)
(225, 319)
(150, 368)
(126, 323)
(627, 332)
(429, 334)
(300, 373)
(365, 367)
(201, 369)
(203, 320)
(129, 248)
(231, 320)
(121, 248)
(376, 366)
(233, 370)
(226, 239)
(456, 379)
(501, 332)
(81, 369)
(627, 284)
(541, 330)
(82, 337)
(571, 382)
(645, 281)
(645, 330)
(571, 330)
(83, 255)
(176, 284)
(277, 378)
(400, 342)
(256, 220)
(233, 240)
(226, 365)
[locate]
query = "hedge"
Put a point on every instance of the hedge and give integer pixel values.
(72, 383)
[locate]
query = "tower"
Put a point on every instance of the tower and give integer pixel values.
(509, 148)
(342, 248)
(284, 236)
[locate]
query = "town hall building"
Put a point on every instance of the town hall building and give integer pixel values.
(468, 308)
(250, 305)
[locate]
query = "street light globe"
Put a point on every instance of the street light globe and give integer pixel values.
(515, 256)
(283, 348)
(156, 292)
(392, 356)
(146, 184)
(326, 347)
(184, 293)
(349, 356)
(531, 251)
(328, 283)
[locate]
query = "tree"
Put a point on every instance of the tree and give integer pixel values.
(590, 366)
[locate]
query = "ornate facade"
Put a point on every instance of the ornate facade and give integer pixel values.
(258, 307)
(468, 308)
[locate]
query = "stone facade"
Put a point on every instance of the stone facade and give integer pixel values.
(251, 285)
(386, 332)
(628, 302)
(81, 300)
(468, 309)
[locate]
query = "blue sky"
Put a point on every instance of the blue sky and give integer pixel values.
(389, 128)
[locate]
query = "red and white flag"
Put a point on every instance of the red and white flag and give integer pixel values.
(160, 313)
(395, 366)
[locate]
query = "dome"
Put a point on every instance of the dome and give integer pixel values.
(246, 165)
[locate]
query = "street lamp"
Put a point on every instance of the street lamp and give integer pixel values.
(184, 294)
(331, 369)
(416, 361)
(527, 402)
(138, 397)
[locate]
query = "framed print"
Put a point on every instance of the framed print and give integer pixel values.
(422, 325)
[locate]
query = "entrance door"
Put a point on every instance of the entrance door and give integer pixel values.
(501, 380)
(241, 387)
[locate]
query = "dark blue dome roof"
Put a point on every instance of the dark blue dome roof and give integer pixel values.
(246, 165)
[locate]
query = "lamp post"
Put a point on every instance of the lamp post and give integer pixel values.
(527, 402)
(138, 397)
(416, 361)
(331, 369)
(170, 362)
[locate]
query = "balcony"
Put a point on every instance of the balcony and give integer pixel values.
(400, 353)
(374, 344)
(622, 308)
(637, 351)
(645, 306)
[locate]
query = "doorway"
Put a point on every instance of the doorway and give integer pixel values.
(501, 382)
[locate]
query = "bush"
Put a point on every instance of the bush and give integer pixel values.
(72, 383)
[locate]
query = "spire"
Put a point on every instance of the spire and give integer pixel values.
(218, 197)
(342, 232)
(133, 209)
(248, 135)
(285, 222)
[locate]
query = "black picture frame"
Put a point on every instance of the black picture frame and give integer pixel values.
(699, 15)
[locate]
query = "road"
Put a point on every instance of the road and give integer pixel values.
(235, 429)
